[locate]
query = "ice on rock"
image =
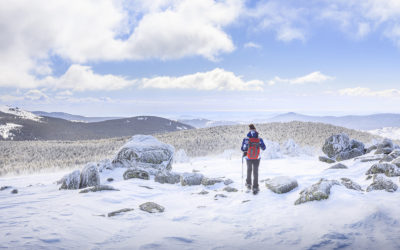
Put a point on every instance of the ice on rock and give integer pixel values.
(89, 176)
(145, 152)
(71, 181)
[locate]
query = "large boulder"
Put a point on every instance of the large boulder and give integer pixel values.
(390, 170)
(380, 182)
(167, 177)
(340, 147)
(145, 152)
(71, 180)
(281, 184)
(136, 173)
(191, 179)
(89, 176)
(318, 191)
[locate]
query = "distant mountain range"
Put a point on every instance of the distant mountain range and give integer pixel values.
(75, 118)
(367, 122)
(17, 124)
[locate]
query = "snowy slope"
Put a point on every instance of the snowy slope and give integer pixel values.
(42, 217)
(388, 132)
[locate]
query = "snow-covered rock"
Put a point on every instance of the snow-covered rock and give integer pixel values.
(291, 148)
(272, 150)
(105, 164)
(191, 179)
(151, 207)
(180, 156)
(228, 182)
(349, 184)
(390, 170)
(89, 176)
(281, 184)
(318, 191)
(136, 173)
(338, 166)
(380, 182)
(120, 211)
(6, 130)
(210, 181)
(230, 189)
(145, 152)
(71, 181)
(371, 148)
(340, 147)
(326, 159)
(167, 177)
(385, 147)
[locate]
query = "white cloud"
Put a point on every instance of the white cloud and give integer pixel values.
(35, 95)
(367, 92)
(314, 77)
(217, 79)
(252, 45)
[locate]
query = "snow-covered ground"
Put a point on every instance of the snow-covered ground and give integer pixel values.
(20, 112)
(388, 132)
(6, 130)
(42, 217)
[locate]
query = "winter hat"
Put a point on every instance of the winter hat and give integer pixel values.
(251, 126)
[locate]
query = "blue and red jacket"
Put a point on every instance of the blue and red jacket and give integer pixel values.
(245, 143)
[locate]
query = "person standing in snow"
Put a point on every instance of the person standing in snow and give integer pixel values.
(251, 150)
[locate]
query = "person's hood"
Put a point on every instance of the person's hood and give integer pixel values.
(252, 134)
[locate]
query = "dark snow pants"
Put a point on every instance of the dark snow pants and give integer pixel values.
(252, 166)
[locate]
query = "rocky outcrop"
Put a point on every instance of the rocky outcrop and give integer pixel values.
(136, 173)
(98, 189)
(326, 159)
(281, 184)
(318, 191)
(191, 179)
(380, 182)
(340, 147)
(390, 170)
(167, 177)
(210, 181)
(151, 207)
(71, 181)
(349, 184)
(339, 166)
(145, 152)
(89, 176)
(124, 210)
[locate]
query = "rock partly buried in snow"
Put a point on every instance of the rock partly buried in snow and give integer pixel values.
(318, 191)
(203, 192)
(228, 182)
(371, 148)
(390, 170)
(281, 184)
(124, 210)
(4, 188)
(380, 182)
(326, 159)
(71, 181)
(167, 177)
(136, 173)
(385, 147)
(349, 154)
(210, 181)
(339, 166)
(145, 152)
(350, 184)
(14, 191)
(190, 179)
(110, 179)
(219, 196)
(98, 189)
(340, 147)
(151, 207)
(230, 189)
(89, 176)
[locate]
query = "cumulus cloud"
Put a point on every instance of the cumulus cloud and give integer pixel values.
(217, 79)
(314, 77)
(367, 92)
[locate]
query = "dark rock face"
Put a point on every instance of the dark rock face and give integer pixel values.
(135, 173)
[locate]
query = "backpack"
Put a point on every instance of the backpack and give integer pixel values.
(254, 149)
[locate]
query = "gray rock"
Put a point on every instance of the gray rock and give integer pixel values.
(14, 191)
(350, 184)
(89, 176)
(4, 188)
(390, 170)
(210, 181)
(387, 158)
(281, 184)
(228, 182)
(105, 164)
(383, 151)
(145, 152)
(339, 166)
(136, 173)
(318, 191)
(71, 181)
(354, 144)
(371, 148)
(326, 159)
(203, 192)
(346, 155)
(385, 147)
(396, 162)
(220, 196)
(167, 177)
(380, 182)
(124, 210)
(98, 189)
(151, 207)
(110, 179)
(230, 189)
(190, 179)
(336, 144)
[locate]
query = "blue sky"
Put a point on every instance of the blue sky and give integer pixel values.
(201, 57)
